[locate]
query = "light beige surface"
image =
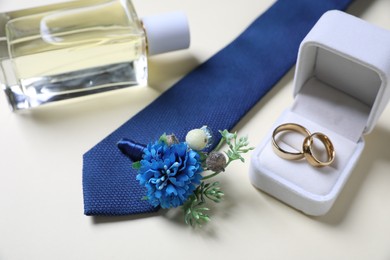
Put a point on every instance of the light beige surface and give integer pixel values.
(41, 206)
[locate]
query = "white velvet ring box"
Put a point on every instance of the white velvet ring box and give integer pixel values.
(341, 87)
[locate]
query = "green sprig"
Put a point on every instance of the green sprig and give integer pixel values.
(236, 147)
(194, 213)
(194, 209)
(235, 151)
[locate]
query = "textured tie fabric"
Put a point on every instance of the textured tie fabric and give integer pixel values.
(217, 94)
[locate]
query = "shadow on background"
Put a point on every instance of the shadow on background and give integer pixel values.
(112, 219)
(375, 150)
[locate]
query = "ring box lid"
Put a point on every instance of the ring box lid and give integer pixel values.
(333, 53)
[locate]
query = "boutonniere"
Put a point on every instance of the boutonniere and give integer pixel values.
(179, 174)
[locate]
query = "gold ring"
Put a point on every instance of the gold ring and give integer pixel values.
(283, 153)
(308, 153)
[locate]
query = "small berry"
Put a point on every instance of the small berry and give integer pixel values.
(171, 139)
(216, 161)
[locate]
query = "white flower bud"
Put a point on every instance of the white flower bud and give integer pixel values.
(197, 139)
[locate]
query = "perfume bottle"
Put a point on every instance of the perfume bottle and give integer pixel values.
(78, 48)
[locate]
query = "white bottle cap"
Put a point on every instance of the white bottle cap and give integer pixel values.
(166, 32)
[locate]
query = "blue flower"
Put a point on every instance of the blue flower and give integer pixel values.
(169, 173)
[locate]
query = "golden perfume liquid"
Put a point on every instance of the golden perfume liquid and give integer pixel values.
(70, 50)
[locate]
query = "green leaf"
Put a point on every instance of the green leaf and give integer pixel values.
(202, 155)
(228, 136)
(163, 138)
(136, 165)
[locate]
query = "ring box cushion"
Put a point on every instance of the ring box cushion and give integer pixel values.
(340, 88)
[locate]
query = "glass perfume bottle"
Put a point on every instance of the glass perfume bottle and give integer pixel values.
(78, 48)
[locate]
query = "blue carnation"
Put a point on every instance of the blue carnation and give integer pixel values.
(169, 173)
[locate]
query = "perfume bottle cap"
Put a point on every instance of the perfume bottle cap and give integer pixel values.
(166, 32)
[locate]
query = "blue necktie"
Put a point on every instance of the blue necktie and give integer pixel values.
(217, 94)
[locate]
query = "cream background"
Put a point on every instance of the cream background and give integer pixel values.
(41, 205)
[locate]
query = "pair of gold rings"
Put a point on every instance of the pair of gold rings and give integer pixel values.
(307, 146)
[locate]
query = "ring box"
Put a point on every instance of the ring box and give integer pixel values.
(341, 87)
